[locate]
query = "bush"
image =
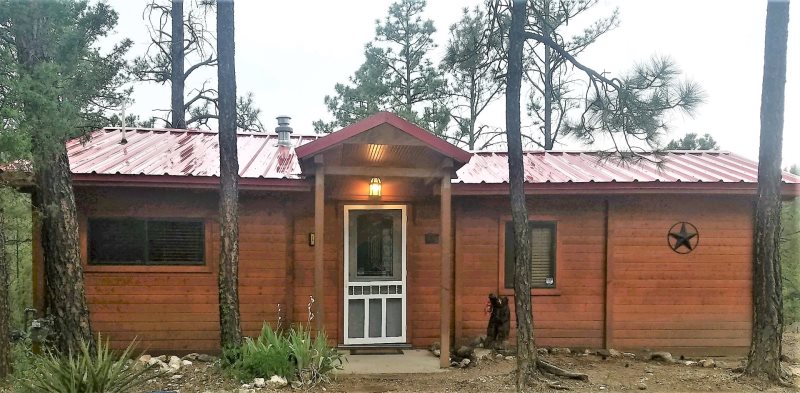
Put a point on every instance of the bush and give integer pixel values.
(103, 371)
(293, 355)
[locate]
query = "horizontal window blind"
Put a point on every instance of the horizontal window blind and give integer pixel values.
(542, 254)
(175, 242)
(128, 241)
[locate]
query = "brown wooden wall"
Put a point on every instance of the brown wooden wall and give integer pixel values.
(694, 303)
(697, 302)
(656, 298)
(571, 314)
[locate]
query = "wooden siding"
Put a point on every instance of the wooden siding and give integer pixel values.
(699, 302)
(656, 298)
(569, 315)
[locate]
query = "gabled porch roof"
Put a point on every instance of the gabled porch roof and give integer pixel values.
(406, 128)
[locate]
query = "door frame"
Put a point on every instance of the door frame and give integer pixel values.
(346, 260)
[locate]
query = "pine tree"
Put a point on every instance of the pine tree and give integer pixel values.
(397, 75)
(229, 317)
(62, 84)
(766, 343)
(692, 142)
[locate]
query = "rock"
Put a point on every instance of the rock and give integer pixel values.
(162, 358)
(604, 353)
(689, 363)
(641, 386)
(435, 346)
(509, 358)
(176, 377)
(648, 370)
(259, 382)
(499, 356)
(174, 363)
(556, 351)
(186, 363)
(144, 359)
(603, 387)
(437, 352)
(785, 358)
(454, 364)
(464, 351)
(542, 351)
(464, 363)
(614, 353)
(708, 363)
(662, 356)
(482, 354)
(276, 382)
(247, 386)
(629, 355)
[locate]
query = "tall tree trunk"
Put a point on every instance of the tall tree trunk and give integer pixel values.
(526, 352)
(176, 57)
(765, 347)
(229, 319)
(55, 201)
(65, 296)
(5, 317)
(548, 81)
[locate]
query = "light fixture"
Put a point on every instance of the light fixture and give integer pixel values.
(375, 187)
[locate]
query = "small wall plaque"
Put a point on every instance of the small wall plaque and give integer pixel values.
(431, 238)
(312, 239)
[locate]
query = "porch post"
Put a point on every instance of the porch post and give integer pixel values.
(447, 269)
(319, 243)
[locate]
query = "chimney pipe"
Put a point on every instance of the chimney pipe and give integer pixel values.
(284, 131)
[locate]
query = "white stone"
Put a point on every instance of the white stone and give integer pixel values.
(629, 355)
(614, 353)
(259, 382)
(276, 382)
(145, 359)
(482, 353)
(708, 363)
(464, 363)
(176, 377)
(186, 363)
(174, 363)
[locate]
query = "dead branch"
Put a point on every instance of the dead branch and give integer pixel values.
(558, 371)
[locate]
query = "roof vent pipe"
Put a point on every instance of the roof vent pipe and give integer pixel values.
(284, 131)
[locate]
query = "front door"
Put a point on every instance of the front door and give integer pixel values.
(374, 274)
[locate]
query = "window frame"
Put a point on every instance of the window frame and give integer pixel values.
(548, 221)
(206, 266)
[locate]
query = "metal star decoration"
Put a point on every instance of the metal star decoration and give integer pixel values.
(685, 240)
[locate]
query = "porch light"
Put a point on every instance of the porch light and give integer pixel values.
(375, 187)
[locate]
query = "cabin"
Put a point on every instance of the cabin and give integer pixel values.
(386, 235)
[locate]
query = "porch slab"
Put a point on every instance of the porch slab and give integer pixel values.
(412, 361)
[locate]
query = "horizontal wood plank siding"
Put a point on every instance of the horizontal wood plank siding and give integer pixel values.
(697, 302)
(574, 315)
(177, 309)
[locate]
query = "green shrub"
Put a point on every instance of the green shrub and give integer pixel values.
(294, 355)
(103, 371)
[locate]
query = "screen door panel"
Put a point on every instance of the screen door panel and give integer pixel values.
(375, 275)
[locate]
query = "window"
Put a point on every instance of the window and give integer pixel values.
(129, 241)
(543, 260)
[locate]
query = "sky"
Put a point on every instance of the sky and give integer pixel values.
(290, 54)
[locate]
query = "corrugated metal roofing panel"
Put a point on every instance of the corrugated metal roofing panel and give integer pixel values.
(593, 167)
(181, 153)
(196, 153)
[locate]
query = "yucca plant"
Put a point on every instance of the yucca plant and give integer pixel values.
(103, 371)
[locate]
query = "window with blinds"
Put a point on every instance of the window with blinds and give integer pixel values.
(129, 241)
(543, 254)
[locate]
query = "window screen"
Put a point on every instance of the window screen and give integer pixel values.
(126, 241)
(543, 251)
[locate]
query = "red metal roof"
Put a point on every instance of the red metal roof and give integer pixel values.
(171, 152)
(434, 142)
(190, 158)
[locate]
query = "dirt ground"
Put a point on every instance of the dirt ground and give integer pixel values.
(610, 375)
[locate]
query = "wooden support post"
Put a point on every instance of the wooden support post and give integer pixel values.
(319, 244)
(608, 317)
(447, 269)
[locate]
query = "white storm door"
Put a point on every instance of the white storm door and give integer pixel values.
(374, 274)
